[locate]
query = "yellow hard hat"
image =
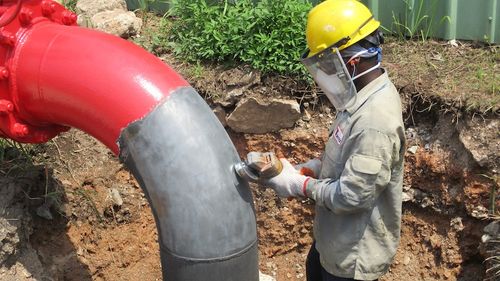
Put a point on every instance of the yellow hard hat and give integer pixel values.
(338, 22)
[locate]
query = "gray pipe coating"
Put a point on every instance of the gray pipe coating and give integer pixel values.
(183, 159)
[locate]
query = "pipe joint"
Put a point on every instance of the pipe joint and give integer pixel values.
(18, 20)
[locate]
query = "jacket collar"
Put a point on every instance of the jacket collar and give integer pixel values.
(373, 87)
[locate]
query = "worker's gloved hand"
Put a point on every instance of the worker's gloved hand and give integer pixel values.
(311, 168)
(289, 183)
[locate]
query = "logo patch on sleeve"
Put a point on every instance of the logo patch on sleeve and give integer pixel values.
(339, 135)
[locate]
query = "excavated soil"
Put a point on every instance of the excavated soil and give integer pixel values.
(91, 235)
(71, 211)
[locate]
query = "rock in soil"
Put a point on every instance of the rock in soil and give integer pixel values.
(89, 8)
(117, 22)
(254, 115)
(480, 138)
(18, 260)
(265, 277)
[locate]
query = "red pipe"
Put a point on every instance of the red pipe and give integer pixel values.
(77, 77)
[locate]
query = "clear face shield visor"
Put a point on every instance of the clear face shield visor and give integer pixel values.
(330, 73)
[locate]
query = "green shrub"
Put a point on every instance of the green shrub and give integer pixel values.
(268, 35)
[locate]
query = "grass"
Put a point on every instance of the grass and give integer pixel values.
(14, 157)
(196, 70)
(494, 269)
(151, 36)
(70, 4)
(493, 261)
(85, 196)
(465, 77)
(416, 22)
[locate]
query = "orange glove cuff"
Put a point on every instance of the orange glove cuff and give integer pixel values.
(307, 172)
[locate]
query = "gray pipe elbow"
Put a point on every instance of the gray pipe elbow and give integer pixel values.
(183, 159)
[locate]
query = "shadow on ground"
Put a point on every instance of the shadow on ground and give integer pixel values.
(33, 240)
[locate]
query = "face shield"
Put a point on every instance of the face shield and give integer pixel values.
(330, 73)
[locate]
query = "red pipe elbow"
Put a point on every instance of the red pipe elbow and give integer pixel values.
(62, 75)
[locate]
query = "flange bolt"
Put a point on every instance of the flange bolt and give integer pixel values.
(25, 16)
(20, 130)
(6, 106)
(8, 38)
(69, 18)
(48, 8)
(4, 73)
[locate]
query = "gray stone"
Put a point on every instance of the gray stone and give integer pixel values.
(326, 109)
(18, 260)
(9, 239)
(256, 116)
(490, 244)
(230, 98)
(419, 194)
(307, 116)
(116, 197)
(117, 22)
(239, 78)
(265, 277)
(411, 134)
(412, 149)
(480, 137)
(407, 196)
(480, 212)
(235, 82)
(12, 219)
(91, 7)
(26, 267)
(493, 230)
(43, 211)
(457, 224)
(406, 260)
(426, 202)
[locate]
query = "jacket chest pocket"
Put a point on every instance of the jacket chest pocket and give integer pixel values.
(331, 163)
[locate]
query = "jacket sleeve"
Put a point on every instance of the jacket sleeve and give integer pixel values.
(367, 172)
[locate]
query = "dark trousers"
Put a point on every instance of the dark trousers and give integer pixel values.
(316, 272)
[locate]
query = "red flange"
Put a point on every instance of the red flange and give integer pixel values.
(17, 17)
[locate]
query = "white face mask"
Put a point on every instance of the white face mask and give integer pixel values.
(365, 53)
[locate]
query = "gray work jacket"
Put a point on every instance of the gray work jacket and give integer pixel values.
(358, 194)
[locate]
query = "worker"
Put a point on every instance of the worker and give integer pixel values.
(357, 182)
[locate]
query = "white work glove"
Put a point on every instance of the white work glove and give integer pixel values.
(289, 183)
(311, 168)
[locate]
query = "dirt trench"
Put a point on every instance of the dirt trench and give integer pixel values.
(71, 211)
(440, 239)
